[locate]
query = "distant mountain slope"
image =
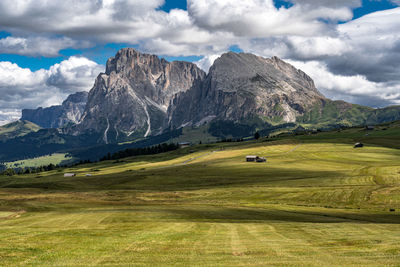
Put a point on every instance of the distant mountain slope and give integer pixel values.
(329, 113)
(40, 143)
(16, 129)
(58, 116)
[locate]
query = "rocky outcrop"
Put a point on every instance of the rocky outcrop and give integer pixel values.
(132, 97)
(243, 86)
(58, 116)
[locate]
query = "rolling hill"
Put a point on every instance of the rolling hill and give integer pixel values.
(16, 129)
(316, 202)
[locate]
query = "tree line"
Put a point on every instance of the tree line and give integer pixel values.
(130, 152)
(27, 170)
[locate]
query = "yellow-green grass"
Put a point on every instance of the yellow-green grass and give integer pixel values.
(316, 202)
(56, 158)
(195, 135)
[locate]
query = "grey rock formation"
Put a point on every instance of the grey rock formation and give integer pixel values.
(132, 97)
(243, 86)
(58, 116)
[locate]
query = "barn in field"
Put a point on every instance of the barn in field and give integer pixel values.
(69, 174)
(251, 158)
(184, 144)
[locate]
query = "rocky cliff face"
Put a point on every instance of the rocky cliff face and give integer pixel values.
(243, 86)
(58, 116)
(132, 98)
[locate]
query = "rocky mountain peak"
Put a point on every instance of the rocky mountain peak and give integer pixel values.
(240, 86)
(78, 97)
(141, 94)
(132, 97)
(127, 58)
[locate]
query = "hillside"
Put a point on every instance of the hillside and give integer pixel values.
(330, 114)
(316, 202)
(16, 129)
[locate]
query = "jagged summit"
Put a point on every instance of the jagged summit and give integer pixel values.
(132, 97)
(240, 86)
(141, 94)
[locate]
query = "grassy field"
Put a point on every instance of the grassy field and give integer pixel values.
(316, 202)
(56, 158)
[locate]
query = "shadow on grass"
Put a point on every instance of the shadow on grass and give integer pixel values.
(214, 214)
(242, 215)
(180, 178)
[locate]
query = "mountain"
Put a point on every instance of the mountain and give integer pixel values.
(141, 95)
(70, 111)
(241, 87)
(143, 100)
(16, 129)
(131, 98)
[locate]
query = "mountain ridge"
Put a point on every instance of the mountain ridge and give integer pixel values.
(141, 95)
(70, 111)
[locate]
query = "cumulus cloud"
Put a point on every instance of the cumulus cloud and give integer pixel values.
(375, 42)
(21, 88)
(138, 21)
(260, 18)
(73, 75)
(362, 54)
(9, 115)
(206, 62)
(38, 46)
(355, 89)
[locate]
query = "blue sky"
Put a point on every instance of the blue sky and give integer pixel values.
(50, 49)
(102, 51)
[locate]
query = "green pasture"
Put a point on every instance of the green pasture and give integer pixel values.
(316, 202)
(56, 158)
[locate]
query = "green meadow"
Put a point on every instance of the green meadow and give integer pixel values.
(316, 202)
(56, 158)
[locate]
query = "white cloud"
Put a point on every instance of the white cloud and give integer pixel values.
(366, 50)
(137, 21)
(260, 18)
(21, 88)
(9, 115)
(38, 46)
(206, 62)
(355, 89)
(74, 74)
